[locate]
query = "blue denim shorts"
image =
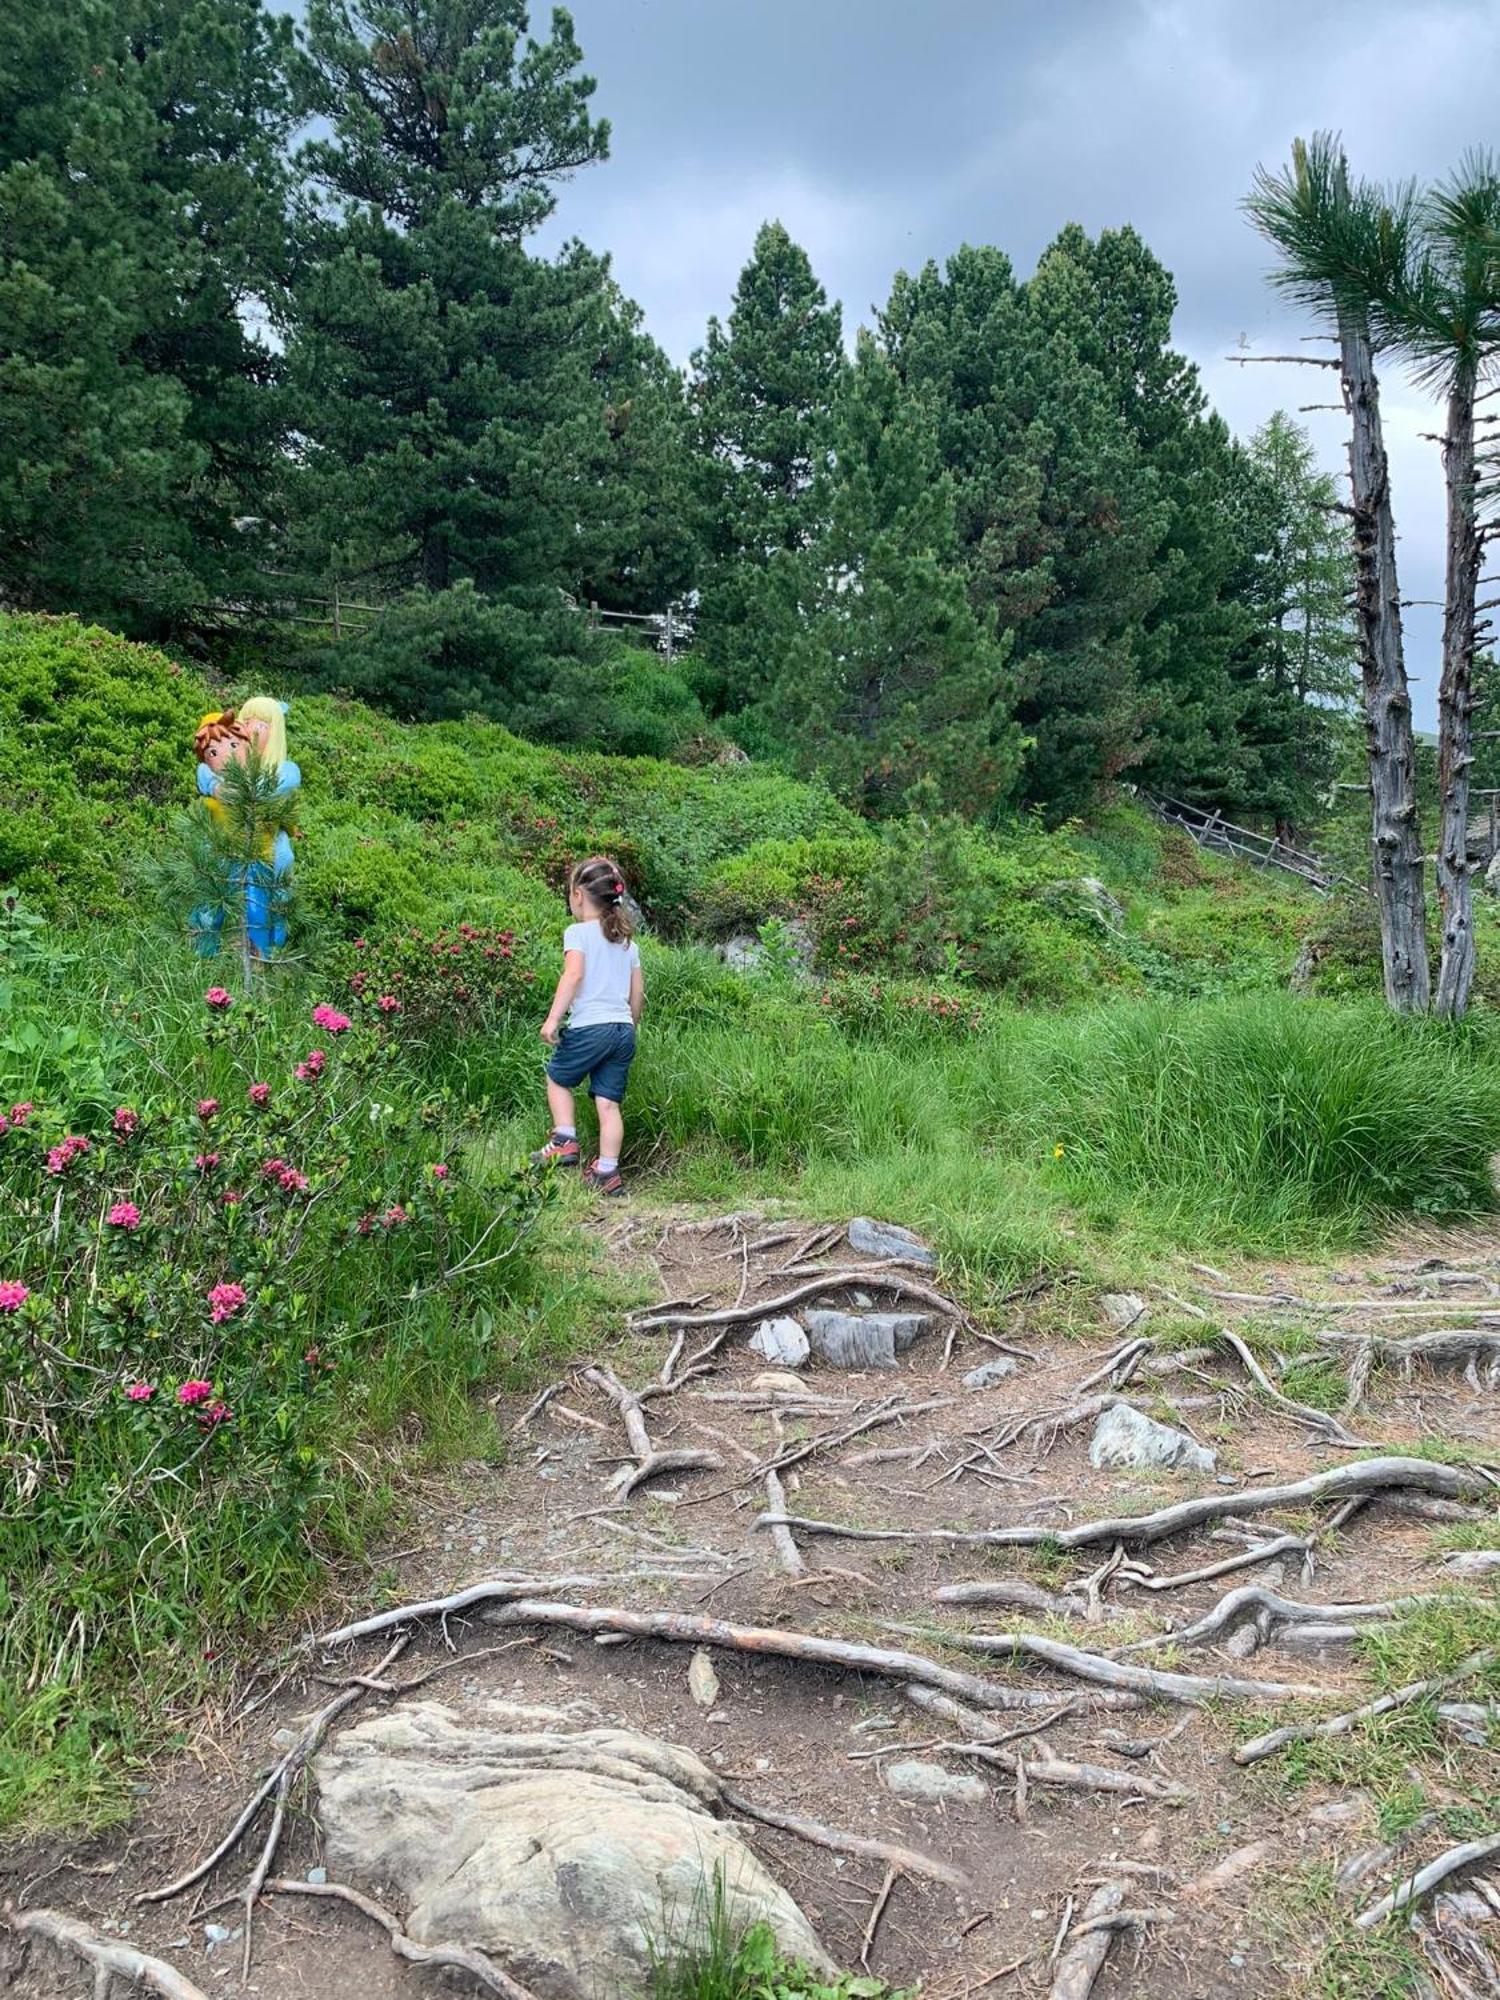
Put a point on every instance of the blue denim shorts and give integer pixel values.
(603, 1054)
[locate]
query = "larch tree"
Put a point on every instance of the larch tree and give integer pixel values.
(1327, 232)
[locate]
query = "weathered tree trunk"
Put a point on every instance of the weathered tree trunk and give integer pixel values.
(1396, 835)
(1455, 704)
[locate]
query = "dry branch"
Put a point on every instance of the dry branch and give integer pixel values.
(787, 1552)
(457, 1958)
(1415, 1887)
(1339, 1725)
(1081, 1964)
(909, 1859)
(650, 1462)
(111, 1958)
(1041, 1767)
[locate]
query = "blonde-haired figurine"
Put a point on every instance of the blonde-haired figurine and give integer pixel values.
(259, 723)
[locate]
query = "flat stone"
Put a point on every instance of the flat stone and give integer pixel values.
(1472, 1562)
(776, 1382)
(561, 1850)
(781, 1341)
(889, 1239)
(1125, 1311)
(988, 1373)
(1126, 1436)
(863, 1340)
(931, 1784)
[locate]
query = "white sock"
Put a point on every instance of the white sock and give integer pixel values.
(565, 1131)
(604, 1166)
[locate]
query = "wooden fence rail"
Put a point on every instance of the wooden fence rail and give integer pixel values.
(1210, 829)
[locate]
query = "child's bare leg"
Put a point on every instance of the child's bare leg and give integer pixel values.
(560, 1104)
(611, 1128)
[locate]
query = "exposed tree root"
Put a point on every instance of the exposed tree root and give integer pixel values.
(650, 1463)
(1319, 1420)
(1415, 1887)
(1104, 1672)
(787, 1552)
(827, 1281)
(277, 1785)
(1081, 1964)
(1041, 1767)
(1020, 1595)
(456, 1958)
(111, 1958)
(909, 1859)
(1339, 1725)
(1271, 1614)
(508, 1583)
(1363, 1476)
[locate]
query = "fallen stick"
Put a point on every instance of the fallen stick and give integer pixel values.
(1120, 1674)
(979, 1728)
(110, 1957)
(828, 1281)
(877, 1911)
(1124, 1357)
(1415, 1887)
(1318, 1420)
(1340, 1725)
(1279, 1545)
(458, 1958)
(1081, 1964)
(909, 1859)
(1362, 1476)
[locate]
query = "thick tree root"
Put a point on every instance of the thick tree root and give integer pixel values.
(649, 1462)
(456, 1958)
(1371, 1476)
(1415, 1887)
(111, 1958)
(867, 1278)
(1041, 1767)
(1339, 1725)
(1319, 1420)
(1083, 1961)
(1103, 1672)
(1271, 1614)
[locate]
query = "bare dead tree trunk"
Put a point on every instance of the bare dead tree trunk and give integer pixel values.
(1456, 703)
(1396, 835)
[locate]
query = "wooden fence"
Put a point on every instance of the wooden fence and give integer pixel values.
(1222, 836)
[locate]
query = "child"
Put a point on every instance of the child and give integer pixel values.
(602, 993)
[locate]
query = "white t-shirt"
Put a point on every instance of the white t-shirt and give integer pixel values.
(605, 992)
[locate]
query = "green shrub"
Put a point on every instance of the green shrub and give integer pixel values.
(777, 878)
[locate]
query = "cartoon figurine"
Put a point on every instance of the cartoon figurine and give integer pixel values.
(224, 737)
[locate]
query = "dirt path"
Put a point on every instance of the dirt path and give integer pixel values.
(815, 1741)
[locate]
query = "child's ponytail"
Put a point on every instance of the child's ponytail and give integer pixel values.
(601, 881)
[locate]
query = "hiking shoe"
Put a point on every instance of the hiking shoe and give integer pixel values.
(609, 1183)
(558, 1152)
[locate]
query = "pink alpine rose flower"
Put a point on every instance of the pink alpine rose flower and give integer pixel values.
(61, 1156)
(124, 1215)
(193, 1392)
(224, 1301)
(125, 1121)
(19, 1113)
(214, 1415)
(218, 999)
(13, 1295)
(388, 1004)
(259, 1095)
(438, 1171)
(208, 1107)
(330, 1019)
(394, 1217)
(139, 1392)
(206, 1162)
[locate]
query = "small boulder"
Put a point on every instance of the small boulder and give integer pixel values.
(781, 1341)
(932, 1785)
(988, 1373)
(1125, 1311)
(776, 1382)
(863, 1340)
(889, 1239)
(1492, 876)
(1126, 1436)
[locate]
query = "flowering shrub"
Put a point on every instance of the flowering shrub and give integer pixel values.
(184, 1332)
(460, 981)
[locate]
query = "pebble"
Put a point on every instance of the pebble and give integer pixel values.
(283, 1739)
(988, 1373)
(317, 1876)
(930, 1784)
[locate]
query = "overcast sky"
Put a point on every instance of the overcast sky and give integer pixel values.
(885, 132)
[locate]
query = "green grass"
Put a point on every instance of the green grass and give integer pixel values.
(704, 1954)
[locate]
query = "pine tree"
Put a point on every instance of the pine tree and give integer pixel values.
(142, 239)
(442, 374)
(762, 390)
(1057, 517)
(892, 677)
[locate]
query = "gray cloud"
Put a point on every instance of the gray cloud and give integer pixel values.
(884, 134)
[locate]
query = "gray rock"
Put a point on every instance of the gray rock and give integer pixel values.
(1492, 877)
(863, 1340)
(1125, 1311)
(988, 1373)
(888, 1239)
(931, 1784)
(781, 1341)
(1472, 1562)
(562, 1850)
(1127, 1436)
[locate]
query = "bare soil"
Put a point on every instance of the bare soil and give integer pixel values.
(811, 1741)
